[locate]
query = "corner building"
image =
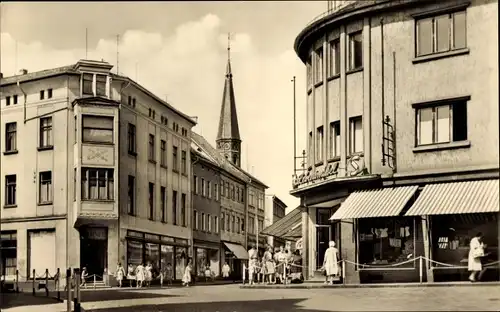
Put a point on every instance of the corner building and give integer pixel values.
(402, 138)
(95, 171)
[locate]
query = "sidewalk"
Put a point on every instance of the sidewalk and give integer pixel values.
(385, 285)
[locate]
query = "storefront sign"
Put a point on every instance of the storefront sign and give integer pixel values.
(355, 166)
(152, 237)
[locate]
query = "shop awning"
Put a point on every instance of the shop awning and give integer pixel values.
(386, 202)
(295, 233)
(284, 227)
(238, 250)
(457, 198)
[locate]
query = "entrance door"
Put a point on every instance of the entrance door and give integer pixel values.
(323, 237)
(94, 250)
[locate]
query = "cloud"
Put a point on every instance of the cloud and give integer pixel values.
(188, 68)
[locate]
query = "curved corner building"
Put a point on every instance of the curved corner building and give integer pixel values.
(402, 139)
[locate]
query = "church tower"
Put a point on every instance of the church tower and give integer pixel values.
(228, 137)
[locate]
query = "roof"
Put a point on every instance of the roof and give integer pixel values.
(228, 122)
(221, 161)
(286, 227)
(202, 154)
(71, 70)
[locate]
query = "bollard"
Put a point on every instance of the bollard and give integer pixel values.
(243, 274)
(17, 281)
(420, 269)
(47, 282)
(343, 272)
(34, 281)
(57, 284)
(68, 287)
(95, 280)
(77, 290)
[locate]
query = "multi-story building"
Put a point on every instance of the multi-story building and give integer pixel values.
(206, 211)
(275, 210)
(112, 185)
(403, 145)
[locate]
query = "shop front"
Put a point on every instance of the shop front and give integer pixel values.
(206, 254)
(157, 250)
(235, 255)
(94, 249)
(453, 214)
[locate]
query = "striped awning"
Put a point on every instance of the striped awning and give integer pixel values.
(457, 198)
(285, 226)
(386, 202)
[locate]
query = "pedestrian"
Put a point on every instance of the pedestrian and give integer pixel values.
(139, 275)
(208, 273)
(120, 272)
(330, 262)
(186, 279)
(476, 254)
(130, 274)
(269, 267)
(148, 276)
(225, 271)
(169, 274)
(84, 277)
(252, 263)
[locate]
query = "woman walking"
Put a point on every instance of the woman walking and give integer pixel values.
(130, 274)
(120, 273)
(269, 266)
(476, 253)
(225, 271)
(139, 275)
(186, 279)
(148, 274)
(330, 262)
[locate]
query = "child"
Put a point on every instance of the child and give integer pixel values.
(84, 277)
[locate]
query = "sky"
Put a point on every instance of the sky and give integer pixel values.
(178, 50)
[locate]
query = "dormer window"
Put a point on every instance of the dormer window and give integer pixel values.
(100, 85)
(87, 84)
(94, 85)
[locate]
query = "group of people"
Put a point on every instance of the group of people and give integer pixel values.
(143, 275)
(275, 265)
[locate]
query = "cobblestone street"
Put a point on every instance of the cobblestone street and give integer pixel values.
(231, 298)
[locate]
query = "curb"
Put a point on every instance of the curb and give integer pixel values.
(407, 285)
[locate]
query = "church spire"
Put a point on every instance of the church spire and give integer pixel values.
(228, 137)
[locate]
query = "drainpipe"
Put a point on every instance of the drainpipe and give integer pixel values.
(25, 99)
(194, 160)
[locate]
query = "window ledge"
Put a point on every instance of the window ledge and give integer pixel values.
(309, 90)
(98, 143)
(439, 147)
(164, 166)
(45, 148)
(360, 154)
(10, 206)
(184, 174)
(318, 84)
(336, 76)
(333, 159)
(318, 163)
(45, 204)
(175, 170)
(354, 70)
(440, 55)
(132, 153)
(12, 152)
(99, 200)
(131, 214)
(152, 161)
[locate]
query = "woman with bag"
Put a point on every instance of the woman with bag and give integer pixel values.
(476, 253)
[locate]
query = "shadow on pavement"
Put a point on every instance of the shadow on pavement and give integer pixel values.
(11, 300)
(114, 294)
(278, 305)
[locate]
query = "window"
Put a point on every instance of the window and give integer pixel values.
(355, 135)
(42, 94)
(216, 224)
(222, 188)
(216, 191)
(195, 220)
(384, 241)
(442, 33)
(45, 190)
(261, 225)
(209, 189)
(46, 132)
(151, 200)
(97, 129)
(183, 162)
(319, 144)
(233, 229)
(175, 161)
(131, 195)
(242, 225)
(318, 66)
(334, 139)
(203, 224)
(355, 50)
(87, 82)
(203, 191)
(311, 145)
(251, 225)
(9, 254)
(133, 102)
(163, 153)
(11, 137)
(183, 209)
(131, 139)
(151, 148)
(163, 194)
(14, 99)
(10, 190)
(251, 203)
(227, 190)
(232, 192)
(237, 194)
(209, 223)
(7, 100)
(195, 185)
(49, 93)
(222, 221)
(442, 124)
(100, 85)
(238, 225)
(129, 100)
(174, 206)
(309, 71)
(97, 184)
(334, 58)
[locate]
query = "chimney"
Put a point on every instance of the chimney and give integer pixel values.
(23, 72)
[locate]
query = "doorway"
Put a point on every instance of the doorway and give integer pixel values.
(325, 232)
(94, 250)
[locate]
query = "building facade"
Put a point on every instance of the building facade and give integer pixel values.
(275, 210)
(401, 161)
(112, 186)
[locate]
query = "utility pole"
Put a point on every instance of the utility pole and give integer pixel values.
(294, 129)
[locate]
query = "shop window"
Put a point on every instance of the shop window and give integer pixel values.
(135, 250)
(442, 124)
(181, 257)
(355, 135)
(8, 246)
(355, 50)
(167, 256)
(201, 261)
(152, 255)
(97, 129)
(385, 241)
(441, 33)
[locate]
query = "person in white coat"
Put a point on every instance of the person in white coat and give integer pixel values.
(476, 253)
(330, 262)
